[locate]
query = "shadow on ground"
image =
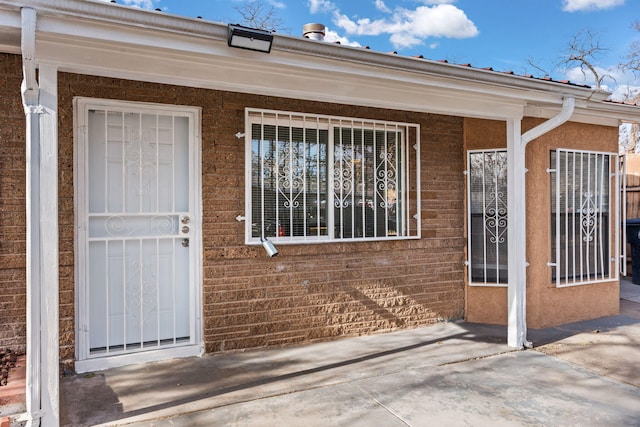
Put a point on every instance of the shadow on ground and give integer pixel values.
(608, 346)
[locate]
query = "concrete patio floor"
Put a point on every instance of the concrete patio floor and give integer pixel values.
(585, 373)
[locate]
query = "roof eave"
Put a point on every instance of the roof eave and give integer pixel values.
(112, 12)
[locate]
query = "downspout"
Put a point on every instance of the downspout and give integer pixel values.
(568, 106)
(30, 99)
(517, 290)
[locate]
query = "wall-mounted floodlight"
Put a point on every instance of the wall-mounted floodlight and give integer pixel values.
(269, 247)
(250, 38)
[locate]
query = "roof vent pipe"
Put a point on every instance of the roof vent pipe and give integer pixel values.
(313, 31)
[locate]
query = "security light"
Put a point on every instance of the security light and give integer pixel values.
(269, 247)
(250, 38)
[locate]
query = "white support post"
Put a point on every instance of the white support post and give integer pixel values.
(33, 268)
(49, 249)
(30, 99)
(41, 110)
(517, 213)
(517, 243)
(42, 398)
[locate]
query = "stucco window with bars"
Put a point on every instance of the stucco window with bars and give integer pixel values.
(583, 226)
(487, 220)
(317, 178)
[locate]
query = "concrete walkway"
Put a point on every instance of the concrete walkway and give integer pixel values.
(586, 373)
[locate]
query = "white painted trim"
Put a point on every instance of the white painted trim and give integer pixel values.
(568, 106)
(516, 206)
(90, 37)
(87, 38)
(517, 235)
(30, 86)
(99, 364)
(329, 123)
(612, 224)
(40, 101)
(50, 400)
(136, 20)
(34, 300)
(621, 208)
(81, 108)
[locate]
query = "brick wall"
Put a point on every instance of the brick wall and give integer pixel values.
(308, 292)
(13, 291)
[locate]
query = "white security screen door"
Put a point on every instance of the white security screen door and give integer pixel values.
(138, 228)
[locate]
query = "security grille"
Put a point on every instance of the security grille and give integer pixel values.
(315, 178)
(137, 217)
(581, 219)
(487, 217)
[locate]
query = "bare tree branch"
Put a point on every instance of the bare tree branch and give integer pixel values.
(633, 58)
(258, 14)
(583, 51)
(544, 72)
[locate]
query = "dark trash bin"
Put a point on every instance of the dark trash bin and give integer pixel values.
(633, 238)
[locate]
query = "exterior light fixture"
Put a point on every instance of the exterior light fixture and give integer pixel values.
(250, 38)
(269, 247)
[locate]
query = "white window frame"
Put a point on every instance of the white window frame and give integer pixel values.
(408, 151)
(496, 223)
(622, 162)
(575, 217)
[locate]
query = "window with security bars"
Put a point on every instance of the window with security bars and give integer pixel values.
(581, 220)
(487, 217)
(315, 178)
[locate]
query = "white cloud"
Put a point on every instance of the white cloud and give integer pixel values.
(610, 76)
(382, 7)
(408, 28)
(622, 85)
(624, 92)
(333, 37)
(405, 27)
(277, 4)
(432, 2)
(316, 6)
(583, 5)
(142, 4)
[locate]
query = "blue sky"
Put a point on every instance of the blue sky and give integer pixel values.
(503, 34)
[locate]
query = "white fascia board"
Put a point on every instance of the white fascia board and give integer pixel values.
(598, 113)
(625, 113)
(241, 74)
(10, 17)
(159, 47)
(339, 59)
(10, 22)
(157, 29)
(76, 30)
(190, 51)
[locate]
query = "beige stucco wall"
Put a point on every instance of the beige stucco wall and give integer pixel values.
(547, 305)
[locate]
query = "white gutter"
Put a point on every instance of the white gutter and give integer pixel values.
(517, 210)
(30, 90)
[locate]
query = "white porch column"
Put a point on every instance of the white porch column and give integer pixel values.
(49, 249)
(33, 268)
(40, 102)
(517, 214)
(516, 235)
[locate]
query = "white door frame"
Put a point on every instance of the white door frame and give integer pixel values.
(85, 362)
